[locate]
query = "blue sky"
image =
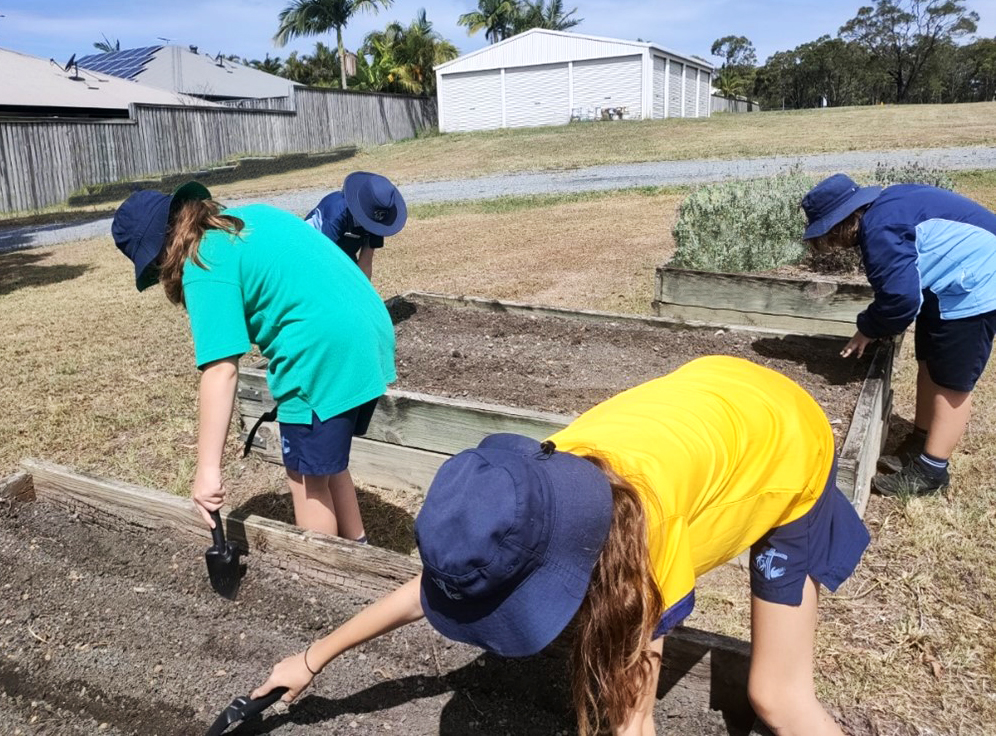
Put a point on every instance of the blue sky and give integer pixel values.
(59, 28)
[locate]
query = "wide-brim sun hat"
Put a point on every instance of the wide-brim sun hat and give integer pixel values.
(833, 200)
(375, 203)
(509, 536)
(140, 224)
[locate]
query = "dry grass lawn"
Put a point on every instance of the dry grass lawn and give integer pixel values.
(101, 378)
(460, 155)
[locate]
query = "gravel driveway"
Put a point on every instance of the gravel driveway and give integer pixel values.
(595, 178)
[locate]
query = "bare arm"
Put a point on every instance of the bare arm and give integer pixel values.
(396, 609)
(641, 719)
(217, 399)
(365, 261)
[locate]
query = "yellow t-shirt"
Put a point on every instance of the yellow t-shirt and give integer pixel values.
(722, 451)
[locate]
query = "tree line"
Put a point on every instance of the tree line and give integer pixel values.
(896, 51)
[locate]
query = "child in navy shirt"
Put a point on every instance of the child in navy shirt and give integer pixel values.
(930, 256)
(359, 217)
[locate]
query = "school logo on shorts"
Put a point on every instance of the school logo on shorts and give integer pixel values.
(285, 445)
(448, 590)
(765, 563)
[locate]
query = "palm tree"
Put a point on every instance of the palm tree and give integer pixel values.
(540, 15)
(269, 65)
(315, 17)
(106, 46)
(495, 17)
(403, 58)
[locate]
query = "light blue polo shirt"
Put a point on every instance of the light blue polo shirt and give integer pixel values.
(282, 285)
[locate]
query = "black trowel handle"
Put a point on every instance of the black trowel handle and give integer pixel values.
(252, 707)
(217, 533)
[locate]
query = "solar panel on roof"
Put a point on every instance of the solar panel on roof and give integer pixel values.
(126, 64)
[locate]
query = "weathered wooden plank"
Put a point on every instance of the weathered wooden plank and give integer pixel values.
(362, 569)
(422, 421)
(794, 324)
(17, 487)
(820, 299)
(869, 427)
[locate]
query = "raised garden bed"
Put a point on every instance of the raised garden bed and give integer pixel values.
(109, 626)
(469, 367)
(810, 304)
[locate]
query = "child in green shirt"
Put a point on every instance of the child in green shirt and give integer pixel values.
(258, 275)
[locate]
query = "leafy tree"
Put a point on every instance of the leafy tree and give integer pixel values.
(977, 63)
(539, 14)
(402, 58)
(268, 65)
(736, 75)
(495, 17)
(500, 19)
(106, 46)
(315, 17)
(903, 36)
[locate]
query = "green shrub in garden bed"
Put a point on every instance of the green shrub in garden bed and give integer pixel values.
(756, 225)
(743, 225)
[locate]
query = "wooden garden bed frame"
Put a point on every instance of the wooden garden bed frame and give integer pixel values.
(819, 306)
(411, 434)
(698, 666)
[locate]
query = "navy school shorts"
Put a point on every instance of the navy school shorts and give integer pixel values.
(322, 448)
(955, 350)
(825, 543)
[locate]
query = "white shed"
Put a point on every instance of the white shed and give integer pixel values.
(545, 77)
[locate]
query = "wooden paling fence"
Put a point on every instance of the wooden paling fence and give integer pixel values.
(44, 160)
(734, 104)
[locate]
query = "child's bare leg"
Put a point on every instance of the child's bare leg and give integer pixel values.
(347, 509)
(313, 506)
(781, 669)
(949, 417)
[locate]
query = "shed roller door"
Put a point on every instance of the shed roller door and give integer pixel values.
(674, 90)
(691, 74)
(537, 95)
(610, 83)
(471, 101)
(660, 68)
(705, 93)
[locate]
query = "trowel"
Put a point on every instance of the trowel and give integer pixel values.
(223, 562)
(242, 708)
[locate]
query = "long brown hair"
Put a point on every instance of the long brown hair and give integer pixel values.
(843, 235)
(611, 664)
(187, 226)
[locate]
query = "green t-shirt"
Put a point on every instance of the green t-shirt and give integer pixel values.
(282, 285)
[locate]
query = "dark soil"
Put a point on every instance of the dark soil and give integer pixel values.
(566, 366)
(104, 631)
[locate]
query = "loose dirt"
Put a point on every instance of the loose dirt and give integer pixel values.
(116, 632)
(562, 365)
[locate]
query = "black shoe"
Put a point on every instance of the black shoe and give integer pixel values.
(911, 480)
(909, 449)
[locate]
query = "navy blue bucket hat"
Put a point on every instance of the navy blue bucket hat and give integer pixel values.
(140, 225)
(375, 203)
(508, 537)
(832, 201)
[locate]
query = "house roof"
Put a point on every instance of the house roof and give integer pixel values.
(593, 42)
(33, 82)
(184, 70)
